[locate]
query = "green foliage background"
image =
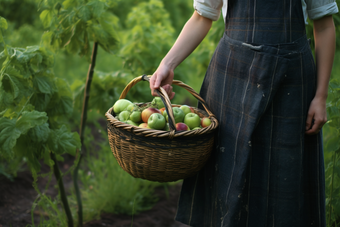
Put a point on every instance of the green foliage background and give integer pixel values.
(142, 32)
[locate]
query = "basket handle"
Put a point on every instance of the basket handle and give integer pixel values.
(164, 96)
(161, 93)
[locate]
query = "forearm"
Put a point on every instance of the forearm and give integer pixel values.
(324, 35)
(190, 37)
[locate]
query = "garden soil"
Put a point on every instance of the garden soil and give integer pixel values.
(18, 196)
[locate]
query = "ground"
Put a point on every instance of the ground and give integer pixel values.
(17, 197)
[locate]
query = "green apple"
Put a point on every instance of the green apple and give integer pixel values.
(196, 128)
(205, 122)
(165, 114)
(178, 114)
(124, 115)
(136, 116)
(187, 109)
(157, 103)
(120, 105)
(156, 121)
(131, 123)
(167, 127)
(192, 120)
(131, 107)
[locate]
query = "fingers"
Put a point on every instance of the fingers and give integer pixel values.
(152, 85)
(167, 87)
(316, 126)
(309, 121)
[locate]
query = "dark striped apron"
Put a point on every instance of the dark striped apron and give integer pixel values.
(264, 170)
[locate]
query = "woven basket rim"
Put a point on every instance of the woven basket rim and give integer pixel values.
(161, 133)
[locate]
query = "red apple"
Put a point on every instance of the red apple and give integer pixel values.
(205, 122)
(147, 113)
(162, 110)
(182, 127)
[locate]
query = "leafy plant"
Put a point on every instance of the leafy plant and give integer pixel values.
(332, 157)
(72, 24)
(35, 106)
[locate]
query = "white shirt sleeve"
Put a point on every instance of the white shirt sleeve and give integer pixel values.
(319, 8)
(209, 8)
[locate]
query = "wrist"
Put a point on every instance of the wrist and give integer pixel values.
(321, 95)
(321, 98)
(168, 64)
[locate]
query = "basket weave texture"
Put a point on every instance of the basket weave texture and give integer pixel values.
(157, 155)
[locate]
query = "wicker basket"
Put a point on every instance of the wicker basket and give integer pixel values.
(157, 155)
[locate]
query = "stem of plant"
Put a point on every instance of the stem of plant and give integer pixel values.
(62, 190)
(82, 128)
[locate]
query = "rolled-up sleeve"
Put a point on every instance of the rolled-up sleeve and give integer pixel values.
(208, 8)
(320, 8)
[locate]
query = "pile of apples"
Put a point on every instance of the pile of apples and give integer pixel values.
(154, 116)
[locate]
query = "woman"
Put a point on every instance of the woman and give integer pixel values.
(270, 99)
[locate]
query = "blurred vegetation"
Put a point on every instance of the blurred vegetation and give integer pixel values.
(145, 31)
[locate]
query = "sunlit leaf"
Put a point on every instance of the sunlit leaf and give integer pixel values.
(3, 23)
(46, 18)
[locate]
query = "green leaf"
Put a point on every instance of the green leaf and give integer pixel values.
(3, 23)
(97, 8)
(40, 133)
(63, 141)
(29, 120)
(69, 3)
(84, 13)
(333, 144)
(12, 129)
(61, 103)
(31, 150)
(46, 18)
(43, 84)
(9, 87)
(8, 135)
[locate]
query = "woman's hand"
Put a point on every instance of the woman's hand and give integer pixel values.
(163, 77)
(317, 116)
